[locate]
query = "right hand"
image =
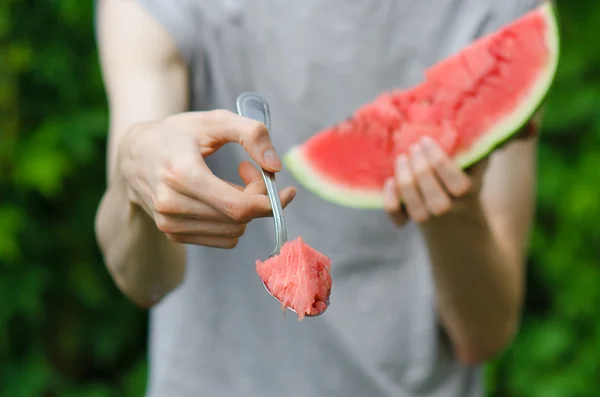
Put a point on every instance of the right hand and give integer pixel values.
(162, 167)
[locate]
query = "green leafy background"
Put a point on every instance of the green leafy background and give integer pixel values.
(66, 331)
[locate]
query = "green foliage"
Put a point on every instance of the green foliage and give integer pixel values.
(556, 352)
(64, 328)
(66, 331)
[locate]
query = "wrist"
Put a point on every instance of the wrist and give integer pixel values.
(118, 200)
(463, 210)
(123, 197)
(124, 170)
(466, 205)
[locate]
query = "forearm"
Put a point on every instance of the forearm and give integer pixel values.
(143, 83)
(478, 291)
(144, 264)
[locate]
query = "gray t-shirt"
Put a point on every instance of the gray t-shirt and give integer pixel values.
(220, 334)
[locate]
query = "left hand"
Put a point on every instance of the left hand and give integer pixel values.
(429, 184)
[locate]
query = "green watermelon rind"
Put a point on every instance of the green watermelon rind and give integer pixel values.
(332, 191)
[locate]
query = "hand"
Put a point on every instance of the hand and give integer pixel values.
(161, 166)
(429, 184)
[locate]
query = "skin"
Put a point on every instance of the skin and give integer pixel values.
(160, 192)
(476, 225)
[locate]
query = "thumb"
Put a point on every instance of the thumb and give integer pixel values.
(225, 126)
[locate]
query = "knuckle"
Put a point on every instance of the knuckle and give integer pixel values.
(219, 116)
(174, 173)
(422, 170)
(163, 200)
(237, 211)
(407, 183)
(163, 224)
(257, 131)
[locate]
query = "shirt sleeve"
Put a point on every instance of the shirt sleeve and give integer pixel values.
(180, 20)
(506, 11)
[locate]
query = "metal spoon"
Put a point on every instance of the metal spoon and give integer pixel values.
(253, 106)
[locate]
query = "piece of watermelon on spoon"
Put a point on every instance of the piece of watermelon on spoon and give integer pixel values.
(295, 274)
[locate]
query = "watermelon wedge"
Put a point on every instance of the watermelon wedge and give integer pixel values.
(298, 277)
(470, 103)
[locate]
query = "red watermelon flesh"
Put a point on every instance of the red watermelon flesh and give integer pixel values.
(298, 277)
(469, 103)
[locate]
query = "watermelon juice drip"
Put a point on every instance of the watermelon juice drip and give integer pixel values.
(299, 277)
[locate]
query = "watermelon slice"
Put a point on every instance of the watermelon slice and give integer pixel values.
(470, 103)
(298, 277)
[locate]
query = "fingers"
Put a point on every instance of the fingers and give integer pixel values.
(240, 206)
(255, 183)
(169, 202)
(235, 186)
(286, 196)
(409, 191)
(190, 189)
(391, 203)
(426, 182)
(249, 173)
(453, 179)
(436, 201)
(207, 241)
(198, 182)
(252, 179)
(257, 187)
(222, 126)
(188, 221)
(172, 224)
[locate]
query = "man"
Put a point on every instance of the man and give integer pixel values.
(419, 301)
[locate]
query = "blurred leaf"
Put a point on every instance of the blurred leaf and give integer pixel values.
(11, 223)
(65, 329)
(555, 354)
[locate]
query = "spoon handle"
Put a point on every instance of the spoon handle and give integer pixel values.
(253, 106)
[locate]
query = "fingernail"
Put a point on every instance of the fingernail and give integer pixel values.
(416, 148)
(272, 159)
(427, 141)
